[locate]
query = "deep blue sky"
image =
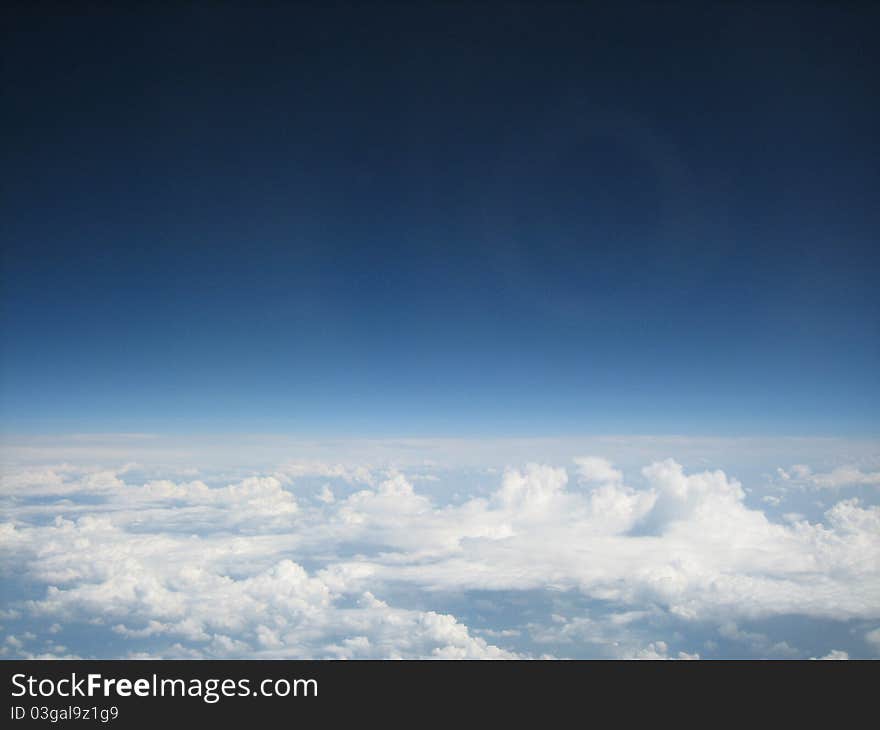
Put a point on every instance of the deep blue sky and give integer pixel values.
(461, 220)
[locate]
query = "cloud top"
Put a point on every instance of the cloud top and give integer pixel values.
(322, 560)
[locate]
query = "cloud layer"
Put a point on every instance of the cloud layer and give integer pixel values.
(329, 560)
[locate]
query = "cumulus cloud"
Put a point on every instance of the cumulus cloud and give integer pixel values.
(833, 655)
(597, 469)
(658, 650)
(358, 567)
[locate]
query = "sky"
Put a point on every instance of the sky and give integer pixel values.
(440, 220)
(486, 331)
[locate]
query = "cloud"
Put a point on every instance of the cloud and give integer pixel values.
(269, 564)
(658, 650)
(842, 476)
(597, 469)
(834, 654)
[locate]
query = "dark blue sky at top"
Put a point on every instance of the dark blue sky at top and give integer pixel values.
(422, 220)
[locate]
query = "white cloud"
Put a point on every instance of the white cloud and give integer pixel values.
(658, 650)
(193, 568)
(842, 476)
(834, 654)
(597, 469)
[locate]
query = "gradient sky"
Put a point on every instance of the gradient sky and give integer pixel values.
(455, 220)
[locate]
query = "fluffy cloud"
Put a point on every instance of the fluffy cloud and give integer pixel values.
(834, 654)
(599, 470)
(658, 650)
(266, 565)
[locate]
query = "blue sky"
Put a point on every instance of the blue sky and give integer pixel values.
(441, 222)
